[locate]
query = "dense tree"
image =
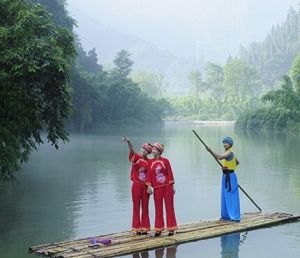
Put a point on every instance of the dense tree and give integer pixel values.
(282, 109)
(146, 82)
(125, 102)
(35, 57)
(88, 62)
(294, 74)
(214, 77)
(37, 63)
(58, 12)
(122, 65)
(284, 98)
(161, 83)
(198, 85)
(225, 92)
(273, 57)
(240, 81)
(84, 98)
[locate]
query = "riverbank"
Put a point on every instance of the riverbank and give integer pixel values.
(204, 122)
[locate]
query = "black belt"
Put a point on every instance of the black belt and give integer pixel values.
(227, 178)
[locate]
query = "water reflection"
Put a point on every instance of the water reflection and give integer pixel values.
(141, 255)
(230, 245)
(169, 252)
(83, 189)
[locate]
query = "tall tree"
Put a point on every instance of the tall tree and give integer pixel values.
(89, 62)
(214, 78)
(34, 75)
(273, 57)
(240, 81)
(161, 83)
(197, 83)
(147, 82)
(122, 65)
(58, 12)
(295, 73)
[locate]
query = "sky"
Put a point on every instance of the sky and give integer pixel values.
(212, 29)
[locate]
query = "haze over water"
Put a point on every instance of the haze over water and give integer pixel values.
(84, 190)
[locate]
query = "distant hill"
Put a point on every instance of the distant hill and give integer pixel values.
(108, 42)
(146, 56)
(273, 57)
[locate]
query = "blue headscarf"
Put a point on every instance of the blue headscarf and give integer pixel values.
(228, 140)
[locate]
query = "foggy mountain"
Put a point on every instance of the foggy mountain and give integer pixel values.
(146, 56)
(108, 42)
(168, 37)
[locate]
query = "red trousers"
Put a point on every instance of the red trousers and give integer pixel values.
(170, 253)
(140, 213)
(165, 195)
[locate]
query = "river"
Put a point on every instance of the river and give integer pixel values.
(83, 189)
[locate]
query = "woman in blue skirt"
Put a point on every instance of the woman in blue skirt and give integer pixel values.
(230, 201)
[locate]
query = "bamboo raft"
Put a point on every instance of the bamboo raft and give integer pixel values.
(126, 242)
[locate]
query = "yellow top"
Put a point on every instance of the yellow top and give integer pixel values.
(230, 162)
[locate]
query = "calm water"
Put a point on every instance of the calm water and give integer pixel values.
(84, 190)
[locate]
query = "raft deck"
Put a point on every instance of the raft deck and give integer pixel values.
(126, 242)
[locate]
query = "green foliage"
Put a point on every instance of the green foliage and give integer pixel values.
(36, 65)
(185, 106)
(122, 65)
(266, 119)
(273, 57)
(214, 77)
(111, 98)
(197, 83)
(282, 113)
(35, 57)
(294, 73)
(84, 98)
(87, 61)
(58, 12)
(125, 103)
(240, 81)
(277, 55)
(147, 83)
(226, 92)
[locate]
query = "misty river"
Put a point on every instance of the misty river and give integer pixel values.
(83, 189)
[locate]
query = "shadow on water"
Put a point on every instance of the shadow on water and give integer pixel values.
(230, 245)
(168, 252)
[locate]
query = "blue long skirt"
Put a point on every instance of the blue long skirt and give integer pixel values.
(230, 245)
(230, 200)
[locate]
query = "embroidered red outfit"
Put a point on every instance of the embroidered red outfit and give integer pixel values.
(160, 177)
(140, 197)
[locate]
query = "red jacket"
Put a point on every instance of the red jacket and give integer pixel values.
(159, 172)
(139, 168)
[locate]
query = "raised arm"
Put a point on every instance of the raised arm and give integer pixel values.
(130, 146)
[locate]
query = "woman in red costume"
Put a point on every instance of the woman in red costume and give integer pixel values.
(160, 178)
(140, 197)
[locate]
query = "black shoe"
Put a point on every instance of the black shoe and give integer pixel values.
(157, 233)
(139, 233)
(144, 233)
(171, 233)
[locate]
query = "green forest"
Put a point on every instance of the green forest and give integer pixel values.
(50, 84)
(277, 62)
(258, 88)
